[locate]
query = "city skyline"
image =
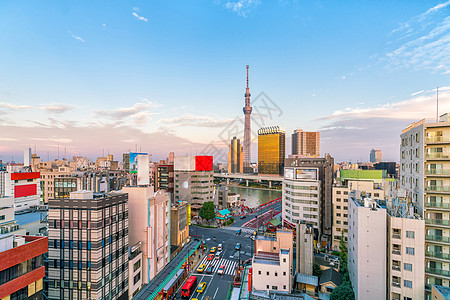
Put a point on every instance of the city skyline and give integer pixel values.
(170, 77)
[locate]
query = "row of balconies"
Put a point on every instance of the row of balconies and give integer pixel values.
(439, 222)
(440, 255)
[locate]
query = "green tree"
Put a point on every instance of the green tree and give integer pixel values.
(207, 211)
(343, 292)
(317, 271)
(343, 249)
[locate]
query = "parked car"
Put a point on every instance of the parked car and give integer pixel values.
(238, 247)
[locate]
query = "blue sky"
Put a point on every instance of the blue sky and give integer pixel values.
(170, 75)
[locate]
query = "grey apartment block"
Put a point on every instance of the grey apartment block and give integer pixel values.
(88, 246)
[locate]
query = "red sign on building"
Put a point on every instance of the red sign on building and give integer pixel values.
(25, 190)
(24, 176)
(203, 163)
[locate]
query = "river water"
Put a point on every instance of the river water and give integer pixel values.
(255, 197)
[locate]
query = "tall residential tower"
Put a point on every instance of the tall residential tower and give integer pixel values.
(247, 130)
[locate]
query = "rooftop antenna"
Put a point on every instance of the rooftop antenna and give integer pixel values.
(437, 104)
(58, 150)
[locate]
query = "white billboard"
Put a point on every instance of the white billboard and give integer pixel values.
(288, 173)
(306, 173)
(184, 163)
(143, 169)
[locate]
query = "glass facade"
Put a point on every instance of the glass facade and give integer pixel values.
(271, 150)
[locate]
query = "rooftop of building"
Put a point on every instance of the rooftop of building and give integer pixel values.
(307, 279)
(30, 217)
(331, 275)
(268, 258)
(443, 290)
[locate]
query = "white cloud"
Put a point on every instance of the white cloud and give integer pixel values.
(51, 108)
(140, 18)
(241, 7)
(197, 121)
(78, 38)
(140, 112)
(422, 43)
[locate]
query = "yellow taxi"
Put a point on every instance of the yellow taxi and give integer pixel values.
(201, 268)
(213, 249)
(201, 287)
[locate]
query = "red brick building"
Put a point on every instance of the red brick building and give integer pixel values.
(22, 268)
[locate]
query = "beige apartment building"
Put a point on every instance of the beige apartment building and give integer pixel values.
(149, 213)
(272, 268)
(179, 228)
(425, 177)
(340, 204)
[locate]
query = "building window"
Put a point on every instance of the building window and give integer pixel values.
(409, 250)
(79, 224)
(284, 287)
(88, 265)
(284, 260)
(267, 273)
(284, 273)
(62, 223)
(103, 242)
(71, 224)
(62, 263)
(137, 265)
(410, 234)
(407, 283)
(267, 286)
(62, 244)
(80, 244)
(274, 287)
(55, 223)
(56, 244)
(88, 224)
(71, 244)
(89, 245)
(71, 264)
(276, 273)
(88, 285)
(79, 265)
(407, 267)
(259, 272)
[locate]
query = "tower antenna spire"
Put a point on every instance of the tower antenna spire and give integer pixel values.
(247, 76)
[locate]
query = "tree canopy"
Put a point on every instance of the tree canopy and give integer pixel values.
(207, 211)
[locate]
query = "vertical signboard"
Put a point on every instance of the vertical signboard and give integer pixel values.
(189, 214)
(149, 242)
(143, 169)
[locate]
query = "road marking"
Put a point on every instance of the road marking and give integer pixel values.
(214, 297)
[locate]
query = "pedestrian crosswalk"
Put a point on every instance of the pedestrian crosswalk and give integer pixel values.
(230, 266)
(244, 230)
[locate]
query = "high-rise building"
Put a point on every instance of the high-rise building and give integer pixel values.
(301, 197)
(247, 131)
(376, 155)
(194, 180)
(271, 150)
(424, 175)
(385, 245)
(149, 217)
(164, 177)
(88, 238)
(305, 144)
(22, 266)
(235, 157)
(325, 166)
(389, 166)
